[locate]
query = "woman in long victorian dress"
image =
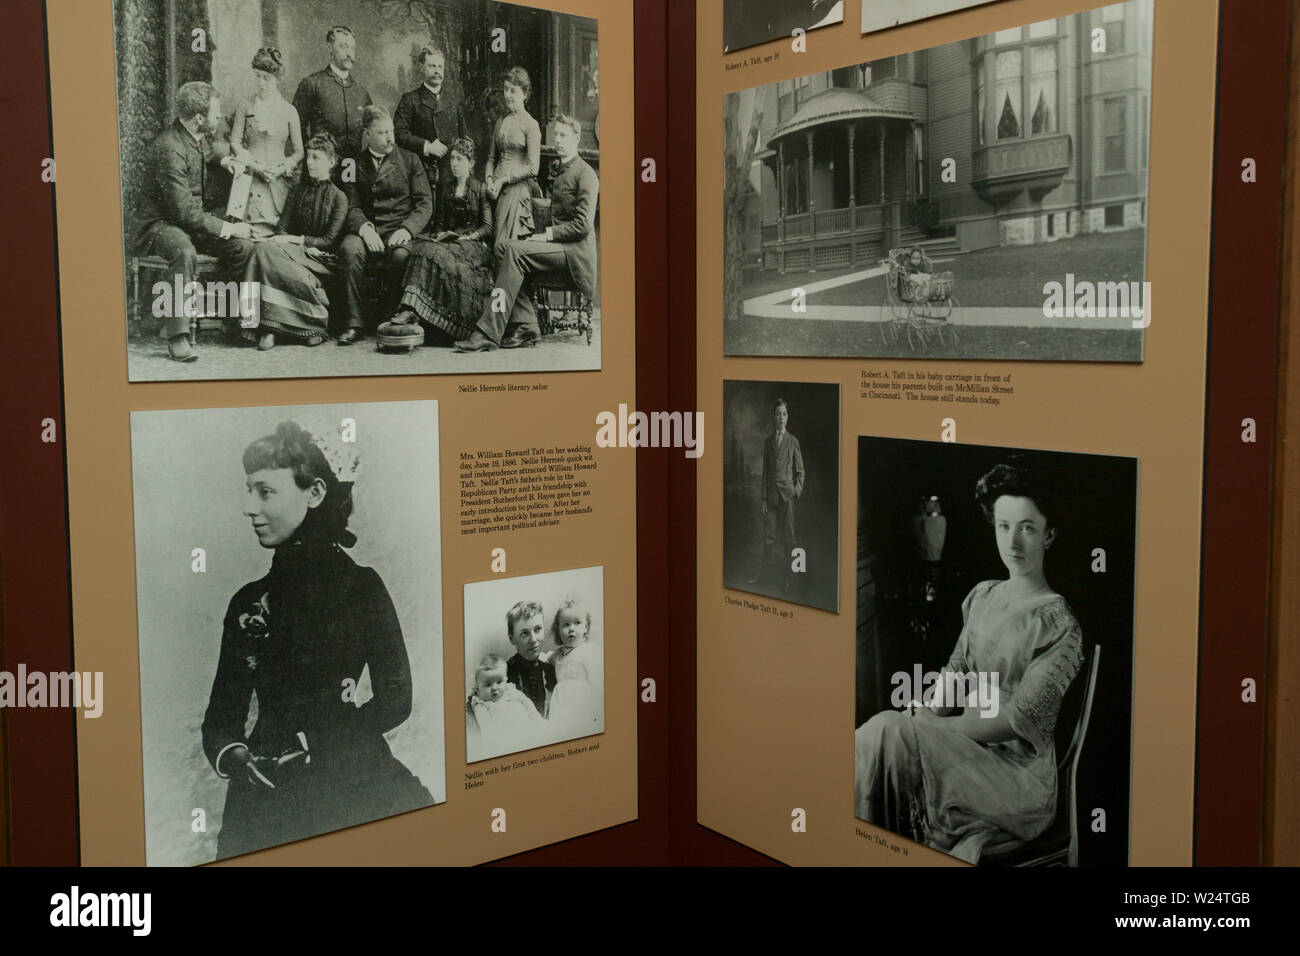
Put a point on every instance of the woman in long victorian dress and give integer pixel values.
(514, 158)
(289, 268)
(266, 139)
(450, 275)
(957, 779)
(299, 638)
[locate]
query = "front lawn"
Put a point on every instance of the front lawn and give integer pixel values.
(1009, 276)
(825, 337)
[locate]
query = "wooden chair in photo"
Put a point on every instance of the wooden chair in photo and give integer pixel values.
(136, 264)
(561, 307)
(1059, 844)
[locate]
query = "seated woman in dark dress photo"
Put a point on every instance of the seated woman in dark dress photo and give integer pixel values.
(299, 638)
(288, 266)
(450, 272)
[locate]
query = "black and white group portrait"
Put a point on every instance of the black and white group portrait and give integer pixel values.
(290, 622)
(995, 650)
(534, 661)
(983, 199)
(781, 490)
(747, 23)
(357, 187)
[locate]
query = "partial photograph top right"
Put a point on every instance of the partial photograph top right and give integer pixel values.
(883, 14)
(982, 199)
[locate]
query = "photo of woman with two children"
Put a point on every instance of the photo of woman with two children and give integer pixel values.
(534, 662)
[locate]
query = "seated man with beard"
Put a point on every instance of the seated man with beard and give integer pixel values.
(173, 222)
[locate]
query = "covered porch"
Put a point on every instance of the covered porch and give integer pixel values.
(843, 172)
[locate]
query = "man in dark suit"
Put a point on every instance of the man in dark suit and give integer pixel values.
(783, 479)
(173, 222)
(388, 204)
(330, 100)
(568, 246)
(429, 118)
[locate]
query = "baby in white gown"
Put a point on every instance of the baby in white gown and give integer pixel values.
(499, 717)
(578, 703)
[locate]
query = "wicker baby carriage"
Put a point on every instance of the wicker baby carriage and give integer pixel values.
(919, 302)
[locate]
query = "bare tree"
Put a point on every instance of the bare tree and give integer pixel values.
(736, 190)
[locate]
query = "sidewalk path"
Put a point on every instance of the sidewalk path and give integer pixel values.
(776, 305)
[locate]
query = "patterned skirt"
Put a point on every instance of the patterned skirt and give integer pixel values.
(447, 284)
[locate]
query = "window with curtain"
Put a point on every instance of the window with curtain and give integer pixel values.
(1115, 124)
(1112, 21)
(980, 106)
(882, 69)
(1042, 88)
(801, 91)
(845, 77)
(1009, 74)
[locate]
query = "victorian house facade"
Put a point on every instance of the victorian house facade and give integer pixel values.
(1024, 136)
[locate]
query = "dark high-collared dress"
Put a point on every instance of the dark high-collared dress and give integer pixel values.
(534, 678)
(294, 302)
(295, 638)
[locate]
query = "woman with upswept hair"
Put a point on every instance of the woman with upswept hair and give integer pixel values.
(299, 639)
(266, 139)
(966, 780)
(513, 161)
(288, 271)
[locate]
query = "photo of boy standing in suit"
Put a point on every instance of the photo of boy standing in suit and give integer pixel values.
(783, 479)
(780, 493)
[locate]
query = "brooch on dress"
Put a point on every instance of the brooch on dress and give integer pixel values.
(255, 624)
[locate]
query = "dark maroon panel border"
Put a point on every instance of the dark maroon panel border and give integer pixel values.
(645, 842)
(1243, 344)
(34, 596)
(693, 845)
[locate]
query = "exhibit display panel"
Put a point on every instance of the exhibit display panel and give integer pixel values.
(991, 233)
(367, 280)
(858, 444)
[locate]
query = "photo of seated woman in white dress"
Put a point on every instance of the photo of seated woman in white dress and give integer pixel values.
(967, 762)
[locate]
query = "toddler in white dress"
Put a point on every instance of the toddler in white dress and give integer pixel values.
(578, 703)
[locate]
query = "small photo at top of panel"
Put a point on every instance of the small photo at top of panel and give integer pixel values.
(883, 14)
(751, 22)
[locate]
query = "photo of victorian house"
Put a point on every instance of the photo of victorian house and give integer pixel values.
(1007, 161)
